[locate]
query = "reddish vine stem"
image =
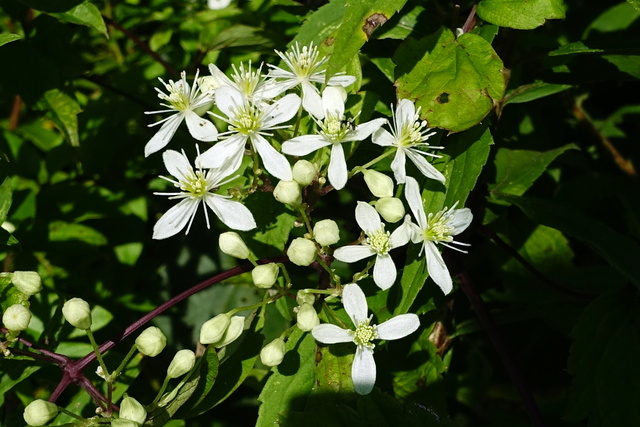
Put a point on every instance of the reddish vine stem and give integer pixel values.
(504, 353)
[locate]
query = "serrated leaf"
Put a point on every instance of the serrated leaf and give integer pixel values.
(63, 111)
(291, 381)
(520, 14)
(86, 14)
(455, 81)
(8, 38)
(533, 91)
(60, 231)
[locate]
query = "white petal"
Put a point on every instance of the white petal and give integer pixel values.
(221, 78)
(337, 167)
(384, 272)
(327, 333)
(275, 163)
(233, 214)
(383, 137)
(424, 166)
(305, 144)
(175, 219)
(398, 327)
(362, 131)
(414, 198)
(311, 100)
(353, 253)
(223, 154)
(272, 88)
(201, 129)
(401, 235)
(282, 110)
(228, 99)
(368, 218)
(437, 268)
(355, 303)
(363, 371)
(332, 101)
(176, 163)
(218, 4)
(460, 221)
(398, 166)
(164, 134)
(405, 113)
(343, 80)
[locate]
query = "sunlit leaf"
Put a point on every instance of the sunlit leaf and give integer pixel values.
(86, 14)
(520, 14)
(8, 38)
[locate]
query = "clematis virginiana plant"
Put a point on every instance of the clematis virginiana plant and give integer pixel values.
(249, 122)
(363, 370)
(408, 135)
(436, 229)
(198, 187)
(378, 242)
(185, 102)
(334, 130)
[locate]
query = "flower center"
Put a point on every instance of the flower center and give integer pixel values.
(178, 95)
(196, 184)
(247, 80)
(379, 241)
(364, 334)
(247, 119)
(438, 229)
(335, 128)
(304, 62)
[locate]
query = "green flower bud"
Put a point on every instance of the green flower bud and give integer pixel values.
(16, 317)
(273, 353)
(151, 341)
(304, 172)
(265, 275)
(77, 312)
(379, 184)
(390, 208)
(27, 282)
(132, 410)
(288, 192)
(233, 332)
(307, 318)
(326, 232)
(301, 251)
(305, 296)
(121, 422)
(182, 363)
(39, 412)
(213, 329)
(232, 244)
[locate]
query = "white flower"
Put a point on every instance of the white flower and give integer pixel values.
(182, 100)
(198, 187)
(378, 242)
(334, 130)
(408, 134)
(363, 370)
(249, 122)
(218, 4)
(249, 82)
(305, 65)
(434, 229)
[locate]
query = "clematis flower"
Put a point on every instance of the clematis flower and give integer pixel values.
(363, 370)
(378, 242)
(249, 82)
(196, 188)
(185, 102)
(305, 65)
(249, 122)
(408, 133)
(436, 229)
(334, 130)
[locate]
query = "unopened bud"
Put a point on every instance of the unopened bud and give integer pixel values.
(39, 412)
(273, 353)
(379, 184)
(326, 232)
(307, 318)
(213, 329)
(390, 208)
(182, 363)
(232, 244)
(77, 312)
(305, 296)
(265, 275)
(288, 192)
(233, 332)
(301, 251)
(304, 172)
(16, 317)
(132, 410)
(151, 341)
(27, 282)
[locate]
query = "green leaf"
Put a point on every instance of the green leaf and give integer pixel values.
(60, 231)
(14, 372)
(273, 221)
(618, 250)
(616, 18)
(533, 91)
(6, 192)
(517, 170)
(292, 380)
(63, 111)
(520, 14)
(635, 4)
(8, 38)
(456, 81)
(573, 49)
(86, 14)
